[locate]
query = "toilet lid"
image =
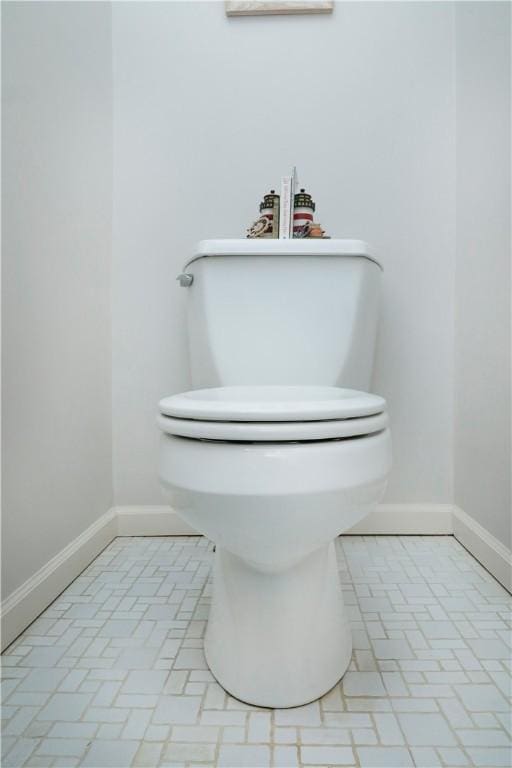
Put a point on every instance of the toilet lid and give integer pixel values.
(272, 403)
(273, 431)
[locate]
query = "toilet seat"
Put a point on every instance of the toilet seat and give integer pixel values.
(276, 431)
(272, 414)
(272, 403)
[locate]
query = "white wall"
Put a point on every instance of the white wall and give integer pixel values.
(482, 299)
(208, 113)
(203, 126)
(57, 158)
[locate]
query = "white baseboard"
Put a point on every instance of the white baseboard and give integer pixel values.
(151, 521)
(406, 519)
(419, 519)
(25, 604)
(485, 547)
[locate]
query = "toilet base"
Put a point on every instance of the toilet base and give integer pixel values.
(278, 639)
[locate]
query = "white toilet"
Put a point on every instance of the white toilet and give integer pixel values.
(271, 459)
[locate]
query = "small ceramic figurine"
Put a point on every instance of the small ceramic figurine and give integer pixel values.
(303, 224)
(303, 210)
(270, 208)
(315, 230)
(262, 227)
(268, 223)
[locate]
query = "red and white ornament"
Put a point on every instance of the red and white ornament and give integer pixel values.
(302, 212)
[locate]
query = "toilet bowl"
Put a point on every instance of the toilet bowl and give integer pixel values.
(272, 474)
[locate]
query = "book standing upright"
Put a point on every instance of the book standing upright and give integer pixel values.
(288, 184)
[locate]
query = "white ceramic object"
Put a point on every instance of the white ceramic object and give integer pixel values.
(273, 460)
(274, 431)
(271, 404)
(282, 312)
(277, 635)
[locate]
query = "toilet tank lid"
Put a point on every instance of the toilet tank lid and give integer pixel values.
(288, 247)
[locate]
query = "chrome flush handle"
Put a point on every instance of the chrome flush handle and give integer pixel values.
(185, 280)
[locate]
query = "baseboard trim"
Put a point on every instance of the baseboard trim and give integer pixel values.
(485, 547)
(25, 604)
(151, 521)
(406, 519)
(387, 519)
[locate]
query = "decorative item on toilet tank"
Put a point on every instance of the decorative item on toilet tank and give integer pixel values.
(287, 215)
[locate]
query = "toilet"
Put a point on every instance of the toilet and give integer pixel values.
(277, 450)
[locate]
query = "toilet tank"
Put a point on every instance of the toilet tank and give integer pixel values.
(267, 311)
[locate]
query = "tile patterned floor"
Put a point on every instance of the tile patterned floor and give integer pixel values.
(112, 674)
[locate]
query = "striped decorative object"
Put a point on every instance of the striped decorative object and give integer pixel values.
(303, 210)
